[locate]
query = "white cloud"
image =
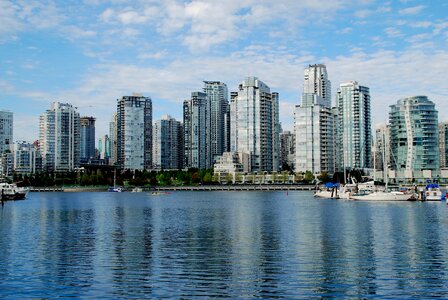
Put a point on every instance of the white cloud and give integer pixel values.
(393, 32)
(411, 10)
(421, 24)
(362, 13)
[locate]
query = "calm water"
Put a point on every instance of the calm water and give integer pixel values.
(225, 244)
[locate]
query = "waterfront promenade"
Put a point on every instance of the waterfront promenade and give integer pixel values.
(253, 187)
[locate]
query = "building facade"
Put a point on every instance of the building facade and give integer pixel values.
(104, 148)
(219, 100)
(113, 139)
(414, 135)
(87, 139)
(134, 132)
(287, 150)
(167, 149)
(6, 131)
(443, 144)
(197, 141)
(254, 124)
(316, 82)
(24, 158)
(59, 138)
(314, 124)
(355, 125)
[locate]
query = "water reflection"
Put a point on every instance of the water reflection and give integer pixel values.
(235, 245)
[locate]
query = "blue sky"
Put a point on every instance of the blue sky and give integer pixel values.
(92, 52)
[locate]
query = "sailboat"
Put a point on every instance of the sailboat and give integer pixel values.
(383, 195)
(115, 189)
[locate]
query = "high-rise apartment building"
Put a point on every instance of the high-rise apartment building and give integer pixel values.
(87, 139)
(197, 141)
(6, 131)
(167, 147)
(443, 144)
(24, 158)
(59, 138)
(113, 139)
(314, 123)
(104, 147)
(381, 152)
(219, 100)
(354, 114)
(316, 82)
(287, 150)
(254, 125)
(134, 132)
(227, 129)
(414, 139)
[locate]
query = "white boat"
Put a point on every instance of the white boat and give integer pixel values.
(433, 192)
(137, 190)
(10, 191)
(382, 196)
(329, 191)
(326, 194)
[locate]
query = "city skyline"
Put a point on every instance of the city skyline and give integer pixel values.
(91, 54)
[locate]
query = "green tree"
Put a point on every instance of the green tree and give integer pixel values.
(207, 178)
(309, 177)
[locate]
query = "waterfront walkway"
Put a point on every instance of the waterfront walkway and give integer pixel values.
(255, 187)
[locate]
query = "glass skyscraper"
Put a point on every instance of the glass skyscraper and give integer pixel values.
(87, 139)
(197, 122)
(6, 131)
(443, 144)
(219, 100)
(113, 139)
(167, 150)
(355, 125)
(414, 140)
(134, 132)
(254, 124)
(59, 138)
(314, 124)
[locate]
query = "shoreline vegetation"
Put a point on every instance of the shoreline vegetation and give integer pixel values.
(92, 177)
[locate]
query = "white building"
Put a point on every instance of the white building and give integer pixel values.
(231, 163)
(316, 82)
(355, 129)
(254, 124)
(59, 138)
(314, 124)
(134, 132)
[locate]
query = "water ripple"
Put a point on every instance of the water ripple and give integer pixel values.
(229, 245)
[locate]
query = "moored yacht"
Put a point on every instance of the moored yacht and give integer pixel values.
(10, 191)
(382, 196)
(433, 192)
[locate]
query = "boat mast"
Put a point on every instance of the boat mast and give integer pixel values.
(383, 156)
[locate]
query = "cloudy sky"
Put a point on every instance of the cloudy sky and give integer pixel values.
(92, 52)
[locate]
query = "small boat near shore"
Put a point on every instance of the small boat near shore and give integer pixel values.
(382, 196)
(10, 191)
(115, 189)
(433, 192)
